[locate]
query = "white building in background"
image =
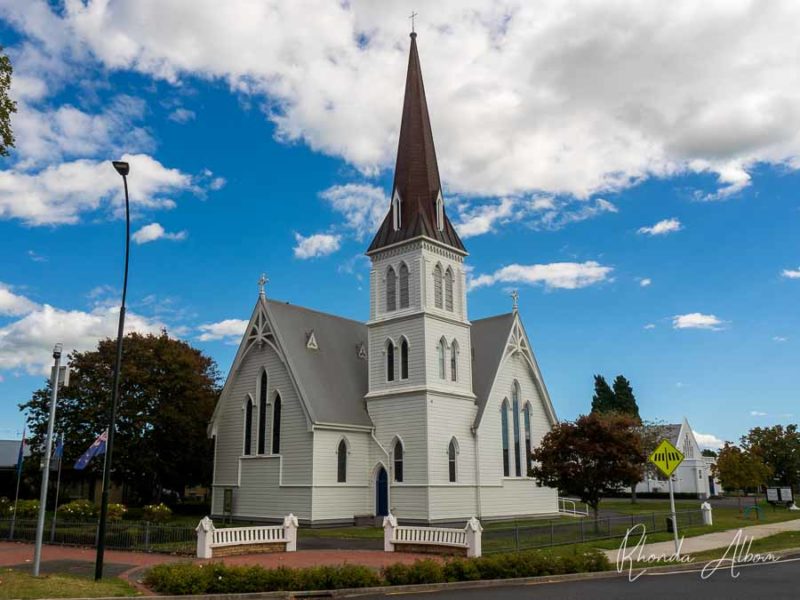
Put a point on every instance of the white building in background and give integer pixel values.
(419, 410)
(693, 476)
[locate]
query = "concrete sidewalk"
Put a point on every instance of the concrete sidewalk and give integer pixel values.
(701, 543)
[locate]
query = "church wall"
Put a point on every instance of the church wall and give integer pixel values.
(412, 329)
(431, 256)
(260, 497)
(333, 500)
(435, 329)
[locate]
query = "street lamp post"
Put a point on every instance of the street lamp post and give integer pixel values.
(123, 169)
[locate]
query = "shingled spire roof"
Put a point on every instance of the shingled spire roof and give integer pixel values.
(416, 173)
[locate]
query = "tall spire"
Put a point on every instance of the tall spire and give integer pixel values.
(416, 172)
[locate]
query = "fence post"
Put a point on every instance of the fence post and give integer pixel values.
(205, 535)
(389, 524)
(147, 536)
(473, 529)
(707, 518)
(516, 536)
(290, 525)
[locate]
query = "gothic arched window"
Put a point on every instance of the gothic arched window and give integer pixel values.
(504, 436)
(437, 286)
(341, 462)
(404, 359)
(403, 286)
(248, 427)
(515, 420)
(454, 361)
(527, 415)
(276, 425)
(390, 361)
(452, 450)
(448, 289)
(398, 461)
(391, 289)
(441, 350)
(262, 413)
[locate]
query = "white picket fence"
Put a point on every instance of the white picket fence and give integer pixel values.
(209, 537)
(468, 538)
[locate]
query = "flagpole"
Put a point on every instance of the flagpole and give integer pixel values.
(19, 478)
(58, 486)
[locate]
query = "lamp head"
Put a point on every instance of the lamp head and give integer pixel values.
(122, 167)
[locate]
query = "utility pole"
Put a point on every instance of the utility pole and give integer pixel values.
(48, 448)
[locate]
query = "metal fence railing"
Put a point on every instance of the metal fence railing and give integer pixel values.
(540, 535)
(142, 536)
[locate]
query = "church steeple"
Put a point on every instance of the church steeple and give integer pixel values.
(417, 208)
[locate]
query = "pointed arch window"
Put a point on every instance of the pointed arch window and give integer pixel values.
(248, 427)
(398, 461)
(448, 289)
(396, 211)
(391, 289)
(515, 421)
(390, 361)
(404, 359)
(341, 462)
(442, 349)
(276, 425)
(452, 451)
(262, 413)
(527, 415)
(403, 286)
(454, 361)
(439, 212)
(437, 286)
(504, 436)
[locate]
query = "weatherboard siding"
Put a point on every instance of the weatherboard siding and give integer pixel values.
(332, 499)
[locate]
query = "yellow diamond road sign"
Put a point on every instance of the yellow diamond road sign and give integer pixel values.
(666, 457)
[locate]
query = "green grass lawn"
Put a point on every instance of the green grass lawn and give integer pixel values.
(16, 584)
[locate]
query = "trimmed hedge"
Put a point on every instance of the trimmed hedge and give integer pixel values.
(217, 578)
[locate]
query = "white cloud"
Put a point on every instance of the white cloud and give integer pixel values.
(230, 330)
(697, 321)
(319, 244)
(662, 227)
(650, 326)
(757, 413)
(791, 273)
(780, 339)
(12, 304)
(565, 275)
(363, 206)
(645, 281)
(708, 440)
(480, 219)
(61, 193)
(182, 115)
(36, 257)
(567, 101)
(27, 343)
(153, 232)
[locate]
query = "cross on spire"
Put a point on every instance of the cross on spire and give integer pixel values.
(412, 17)
(515, 300)
(262, 282)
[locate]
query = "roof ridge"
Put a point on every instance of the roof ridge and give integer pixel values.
(313, 310)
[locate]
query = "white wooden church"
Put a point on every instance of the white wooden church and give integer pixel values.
(418, 411)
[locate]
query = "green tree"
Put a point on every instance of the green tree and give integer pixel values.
(590, 457)
(708, 452)
(624, 400)
(603, 400)
(779, 447)
(167, 395)
(7, 105)
(739, 469)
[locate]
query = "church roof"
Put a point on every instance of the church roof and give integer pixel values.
(333, 377)
(416, 172)
(489, 337)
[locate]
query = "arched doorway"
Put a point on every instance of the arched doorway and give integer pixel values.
(381, 492)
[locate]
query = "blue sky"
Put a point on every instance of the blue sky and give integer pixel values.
(638, 184)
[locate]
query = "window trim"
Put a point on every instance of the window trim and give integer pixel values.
(438, 285)
(527, 412)
(515, 408)
(247, 439)
(405, 349)
(398, 441)
(344, 443)
(453, 451)
(449, 282)
(277, 408)
(454, 352)
(263, 402)
(391, 290)
(403, 276)
(390, 359)
(504, 441)
(397, 210)
(441, 357)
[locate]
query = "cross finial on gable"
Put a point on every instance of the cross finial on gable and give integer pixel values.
(412, 16)
(515, 300)
(262, 282)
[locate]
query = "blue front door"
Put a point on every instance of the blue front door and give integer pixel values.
(382, 493)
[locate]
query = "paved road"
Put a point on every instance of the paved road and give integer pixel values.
(778, 581)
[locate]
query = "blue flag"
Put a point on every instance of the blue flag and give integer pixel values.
(21, 454)
(58, 452)
(98, 447)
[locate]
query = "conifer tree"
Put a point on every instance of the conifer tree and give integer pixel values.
(603, 400)
(624, 400)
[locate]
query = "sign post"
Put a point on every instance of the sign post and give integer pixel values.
(667, 458)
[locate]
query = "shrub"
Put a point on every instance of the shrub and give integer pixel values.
(421, 571)
(78, 510)
(6, 507)
(26, 509)
(156, 513)
(180, 578)
(116, 511)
